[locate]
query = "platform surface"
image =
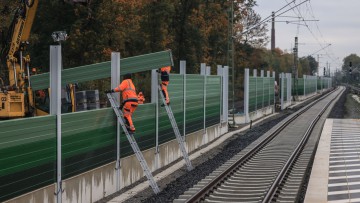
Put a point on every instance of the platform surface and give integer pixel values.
(335, 176)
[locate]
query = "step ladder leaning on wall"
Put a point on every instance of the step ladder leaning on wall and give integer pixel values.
(176, 131)
(133, 144)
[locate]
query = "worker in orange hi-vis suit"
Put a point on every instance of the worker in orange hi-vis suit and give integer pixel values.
(130, 100)
(141, 98)
(165, 73)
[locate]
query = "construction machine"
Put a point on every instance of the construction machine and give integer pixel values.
(17, 98)
(15, 89)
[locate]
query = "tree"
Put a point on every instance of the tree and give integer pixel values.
(250, 31)
(354, 59)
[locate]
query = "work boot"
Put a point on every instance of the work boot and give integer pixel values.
(131, 129)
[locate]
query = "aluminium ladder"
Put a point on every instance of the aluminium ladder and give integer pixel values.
(134, 145)
(176, 131)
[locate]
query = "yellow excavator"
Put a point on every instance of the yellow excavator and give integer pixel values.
(17, 99)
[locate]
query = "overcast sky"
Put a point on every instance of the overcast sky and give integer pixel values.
(338, 25)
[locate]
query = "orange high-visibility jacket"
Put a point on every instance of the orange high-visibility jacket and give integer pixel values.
(165, 71)
(128, 90)
(166, 68)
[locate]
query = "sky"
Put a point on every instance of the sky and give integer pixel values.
(338, 25)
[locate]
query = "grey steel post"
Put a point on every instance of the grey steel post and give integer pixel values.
(183, 72)
(288, 87)
(281, 76)
(208, 70)
(273, 75)
(155, 99)
(304, 77)
(55, 108)
(202, 69)
(226, 94)
(115, 81)
(269, 88)
(246, 95)
(256, 90)
(262, 78)
(203, 72)
(220, 73)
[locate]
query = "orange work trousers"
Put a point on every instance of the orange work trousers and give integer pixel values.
(164, 85)
(128, 110)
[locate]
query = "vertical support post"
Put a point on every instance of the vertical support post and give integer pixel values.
(226, 94)
(289, 87)
(274, 99)
(115, 81)
(304, 77)
(256, 90)
(55, 109)
(246, 95)
(220, 73)
(270, 86)
(262, 78)
(183, 72)
(155, 99)
(281, 76)
(203, 72)
(208, 70)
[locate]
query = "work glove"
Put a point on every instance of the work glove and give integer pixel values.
(108, 91)
(157, 71)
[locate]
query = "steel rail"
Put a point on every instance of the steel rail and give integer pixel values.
(199, 195)
(274, 187)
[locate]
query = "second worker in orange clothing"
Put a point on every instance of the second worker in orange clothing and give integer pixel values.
(130, 100)
(165, 78)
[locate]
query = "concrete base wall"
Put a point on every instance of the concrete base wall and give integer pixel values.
(98, 183)
(304, 97)
(45, 194)
(240, 119)
(286, 104)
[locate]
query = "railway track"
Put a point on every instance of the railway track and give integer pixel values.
(272, 168)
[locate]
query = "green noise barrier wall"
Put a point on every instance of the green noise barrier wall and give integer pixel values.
(310, 85)
(285, 88)
(27, 155)
(299, 87)
(261, 92)
(28, 146)
(88, 140)
(176, 95)
(267, 83)
(144, 119)
(103, 70)
(194, 103)
(213, 98)
(252, 94)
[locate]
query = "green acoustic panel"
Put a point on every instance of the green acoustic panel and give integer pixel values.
(285, 89)
(259, 92)
(299, 87)
(252, 94)
(267, 91)
(213, 97)
(194, 103)
(144, 119)
(318, 84)
(28, 155)
(176, 95)
(88, 140)
(103, 70)
(272, 91)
